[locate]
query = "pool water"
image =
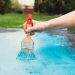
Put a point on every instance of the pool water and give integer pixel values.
(53, 55)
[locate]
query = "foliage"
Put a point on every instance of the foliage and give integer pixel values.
(16, 7)
(56, 6)
(4, 6)
(41, 6)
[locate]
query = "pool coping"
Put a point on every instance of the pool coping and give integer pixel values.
(4, 30)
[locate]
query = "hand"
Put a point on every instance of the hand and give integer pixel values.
(37, 27)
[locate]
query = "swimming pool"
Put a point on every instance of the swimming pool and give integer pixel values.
(53, 54)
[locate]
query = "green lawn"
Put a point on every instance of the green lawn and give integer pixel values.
(13, 20)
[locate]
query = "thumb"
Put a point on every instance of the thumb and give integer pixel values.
(32, 29)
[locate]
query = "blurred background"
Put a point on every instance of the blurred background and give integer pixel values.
(10, 10)
(41, 6)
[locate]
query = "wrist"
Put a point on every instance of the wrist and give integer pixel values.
(47, 24)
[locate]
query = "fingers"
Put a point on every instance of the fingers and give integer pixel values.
(32, 29)
(24, 27)
(35, 27)
(28, 30)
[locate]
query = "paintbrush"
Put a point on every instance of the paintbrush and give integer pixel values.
(27, 44)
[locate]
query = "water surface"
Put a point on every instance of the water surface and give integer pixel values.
(54, 56)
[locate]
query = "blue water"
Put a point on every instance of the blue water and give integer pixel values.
(53, 55)
(24, 55)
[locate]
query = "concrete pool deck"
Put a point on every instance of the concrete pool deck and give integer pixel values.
(4, 30)
(53, 56)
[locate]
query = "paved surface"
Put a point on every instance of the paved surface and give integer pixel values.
(4, 30)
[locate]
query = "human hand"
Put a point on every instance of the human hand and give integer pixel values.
(37, 27)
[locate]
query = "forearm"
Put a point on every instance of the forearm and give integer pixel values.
(66, 20)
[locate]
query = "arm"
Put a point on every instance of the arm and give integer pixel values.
(66, 20)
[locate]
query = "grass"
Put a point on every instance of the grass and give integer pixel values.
(14, 20)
